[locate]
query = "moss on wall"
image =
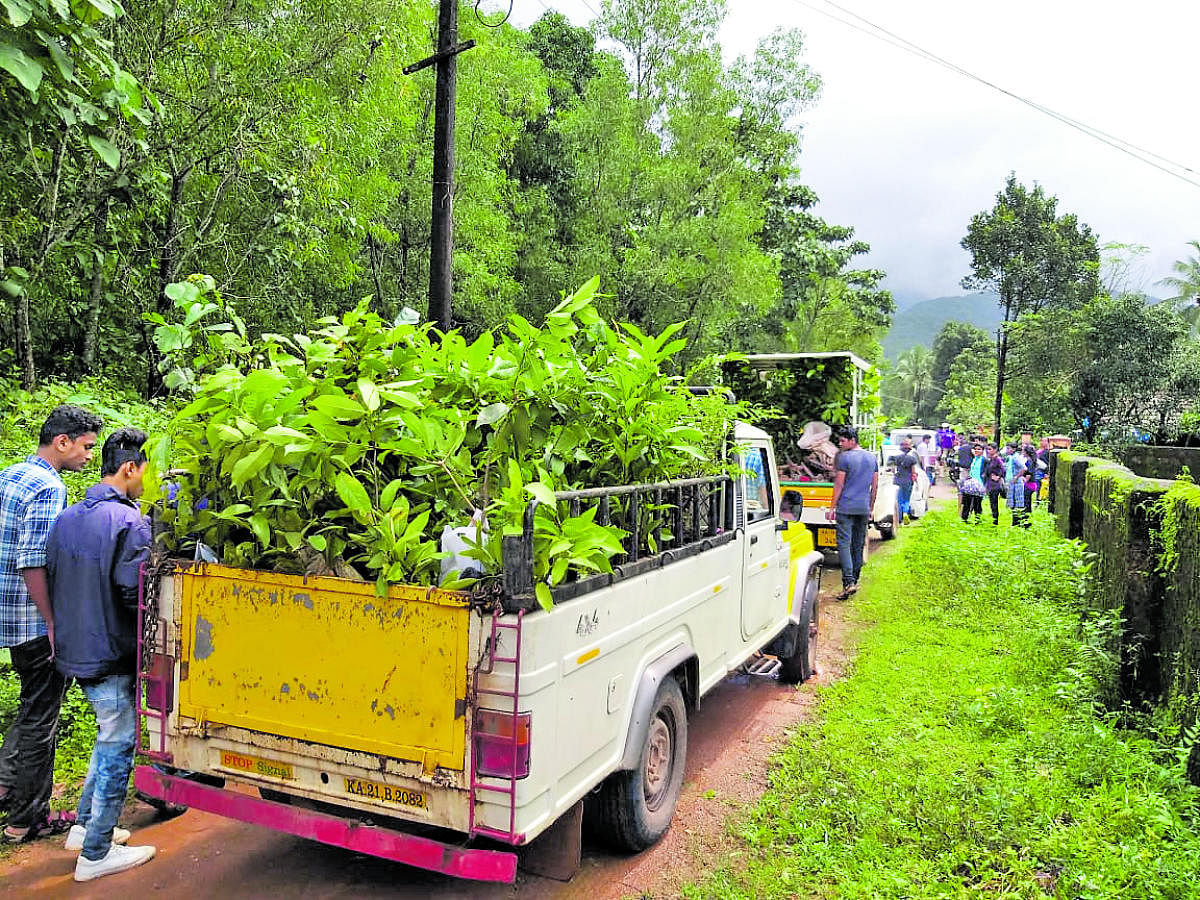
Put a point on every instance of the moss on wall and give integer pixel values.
(1066, 487)
(1145, 534)
(1179, 566)
(1120, 519)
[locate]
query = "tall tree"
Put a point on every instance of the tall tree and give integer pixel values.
(967, 401)
(1033, 258)
(914, 374)
(953, 339)
(65, 101)
(1115, 364)
(1186, 283)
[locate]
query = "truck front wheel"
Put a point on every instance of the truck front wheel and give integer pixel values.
(802, 665)
(635, 807)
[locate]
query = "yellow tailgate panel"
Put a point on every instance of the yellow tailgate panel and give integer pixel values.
(815, 493)
(326, 660)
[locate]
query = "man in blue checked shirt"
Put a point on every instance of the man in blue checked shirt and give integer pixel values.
(32, 494)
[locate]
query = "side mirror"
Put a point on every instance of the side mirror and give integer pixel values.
(789, 509)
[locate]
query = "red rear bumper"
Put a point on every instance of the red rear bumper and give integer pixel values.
(424, 853)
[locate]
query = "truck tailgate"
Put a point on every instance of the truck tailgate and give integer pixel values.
(326, 660)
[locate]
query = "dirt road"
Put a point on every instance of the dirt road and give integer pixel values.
(738, 727)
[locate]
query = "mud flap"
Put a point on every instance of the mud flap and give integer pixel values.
(557, 852)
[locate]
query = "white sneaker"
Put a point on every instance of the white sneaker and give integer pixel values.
(77, 833)
(118, 859)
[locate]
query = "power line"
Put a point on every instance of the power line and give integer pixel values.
(880, 33)
(498, 24)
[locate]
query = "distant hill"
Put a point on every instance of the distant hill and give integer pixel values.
(919, 323)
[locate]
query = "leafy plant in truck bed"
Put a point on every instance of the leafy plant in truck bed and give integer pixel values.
(361, 441)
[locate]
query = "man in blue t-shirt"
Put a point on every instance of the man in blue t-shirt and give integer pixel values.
(854, 490)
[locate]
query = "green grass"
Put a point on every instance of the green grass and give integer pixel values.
(966, 755)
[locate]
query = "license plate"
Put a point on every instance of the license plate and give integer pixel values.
(826, 537)
(253, 765)
(386, 793)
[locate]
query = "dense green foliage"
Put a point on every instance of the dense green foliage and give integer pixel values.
(803, 390)
(1114, 365)
(909, 390)
(23, 413)
(964, 757)
(280, 148)
(1033, 258)
(363, 440)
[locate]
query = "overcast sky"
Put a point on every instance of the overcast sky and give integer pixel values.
(906, 151)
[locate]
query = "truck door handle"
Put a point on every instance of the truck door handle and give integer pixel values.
(754, 539)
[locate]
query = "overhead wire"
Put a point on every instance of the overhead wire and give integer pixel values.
(878, 32)
(591, 8)
(487, 24)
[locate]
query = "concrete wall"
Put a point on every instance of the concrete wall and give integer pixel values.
(1152, 461)
(1145, 533)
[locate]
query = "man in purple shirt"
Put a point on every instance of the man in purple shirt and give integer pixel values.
(92, 559)
(32, 494)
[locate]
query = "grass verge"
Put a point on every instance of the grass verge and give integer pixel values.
(966, 756)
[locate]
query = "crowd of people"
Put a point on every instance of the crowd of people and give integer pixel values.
(1014, 471)
(979, 469)
(68, 611)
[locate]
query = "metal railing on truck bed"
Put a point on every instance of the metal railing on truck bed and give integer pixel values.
(697, 514)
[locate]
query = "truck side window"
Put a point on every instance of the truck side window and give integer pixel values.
(760, 502)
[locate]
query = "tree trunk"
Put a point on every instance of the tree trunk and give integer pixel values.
(168, 254)
(25, 344)
(441, 237)
(91, 336)
(24, 338)
(49, 216)
(1001, 357)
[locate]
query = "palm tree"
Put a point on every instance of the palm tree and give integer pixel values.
(1186, 281)
(914, 370)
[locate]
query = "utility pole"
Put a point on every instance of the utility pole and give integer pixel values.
(441, 235)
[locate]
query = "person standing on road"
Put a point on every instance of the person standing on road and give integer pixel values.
(1018, 496)
(971, 487)
(92, 558)
(965, 456)
(32, 495)
(994, 470)
(928, 454)
(854, 489)
(906, 473)
(945, 442)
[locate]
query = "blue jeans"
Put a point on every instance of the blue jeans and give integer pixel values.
(903, 499)
(851, 535)
(112, 699)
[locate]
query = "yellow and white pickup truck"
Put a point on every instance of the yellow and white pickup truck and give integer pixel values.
(445, 729)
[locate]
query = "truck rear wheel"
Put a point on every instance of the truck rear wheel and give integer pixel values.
(635, 808)
(802, 665)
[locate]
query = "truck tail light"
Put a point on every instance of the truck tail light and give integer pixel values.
(502, 743)
(159, 683)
